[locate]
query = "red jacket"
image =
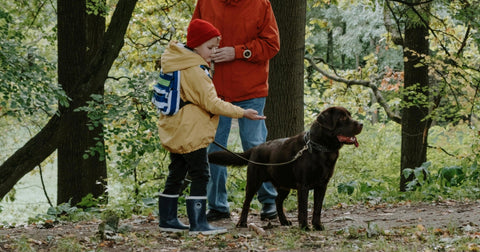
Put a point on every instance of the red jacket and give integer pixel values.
(244, 24)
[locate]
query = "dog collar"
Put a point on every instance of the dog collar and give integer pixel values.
(313, 145)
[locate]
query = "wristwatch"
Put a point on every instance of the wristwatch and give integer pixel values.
(247, 53)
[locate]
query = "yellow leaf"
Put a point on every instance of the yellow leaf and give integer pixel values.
(420, 227)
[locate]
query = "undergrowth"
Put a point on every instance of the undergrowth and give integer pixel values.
(367, 174)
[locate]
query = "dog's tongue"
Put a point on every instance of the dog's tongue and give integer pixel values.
(348, 140)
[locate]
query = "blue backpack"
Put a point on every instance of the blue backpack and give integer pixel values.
(166, 93)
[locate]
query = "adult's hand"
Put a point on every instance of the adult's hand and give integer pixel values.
(223, 54)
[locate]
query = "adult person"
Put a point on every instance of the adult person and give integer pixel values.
(250, 38)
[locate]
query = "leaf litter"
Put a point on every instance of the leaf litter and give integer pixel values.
(446, 226)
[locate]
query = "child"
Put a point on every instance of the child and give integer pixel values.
(187, 134)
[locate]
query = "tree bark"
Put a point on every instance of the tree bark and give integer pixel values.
(330, 46)
(284, 108)
(414, 123)
(77, 34)
(51, 136)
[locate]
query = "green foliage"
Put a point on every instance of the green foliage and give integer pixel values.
(372, 169)
(352, 38)
(415, 96)
(63, 212)
(347, 188)
(89, 202)
(97, 7)
(153, 25)
(452, 176)
(452, 97)
(136, 158)
(446, 181)
(421, 175)
(27, 81)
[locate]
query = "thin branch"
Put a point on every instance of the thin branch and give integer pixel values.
(464, 41)
(427, 24)
(43, 186)
(412, 4)
(442, 149)
(36, 14)
(119, 78)
(393, 116)
(397, 21)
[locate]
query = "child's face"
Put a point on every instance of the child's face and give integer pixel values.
(206, 49)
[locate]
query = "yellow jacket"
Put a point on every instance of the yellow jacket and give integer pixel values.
(194, 126)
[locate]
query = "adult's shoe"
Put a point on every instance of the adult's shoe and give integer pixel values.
(213, 215)
(269, 211)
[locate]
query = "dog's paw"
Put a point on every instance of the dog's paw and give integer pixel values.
(241, 224)
(305, 228)
(285, 222)
(318, 227)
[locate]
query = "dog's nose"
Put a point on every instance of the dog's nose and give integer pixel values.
(360, 126)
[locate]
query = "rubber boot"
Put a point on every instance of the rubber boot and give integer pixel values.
(167, 211)
(196, 210)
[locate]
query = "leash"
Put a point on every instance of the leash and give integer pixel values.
(299, 154)
(309, 145)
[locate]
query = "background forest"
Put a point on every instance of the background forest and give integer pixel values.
(356, 55)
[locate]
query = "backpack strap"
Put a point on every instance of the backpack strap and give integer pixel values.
(183, 103)
(206, 69)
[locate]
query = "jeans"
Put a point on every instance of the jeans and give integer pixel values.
(252, 133)
(195, 163)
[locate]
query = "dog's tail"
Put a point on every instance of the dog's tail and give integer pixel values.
(228, 158)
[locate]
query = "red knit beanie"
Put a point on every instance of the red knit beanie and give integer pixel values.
(200, 31)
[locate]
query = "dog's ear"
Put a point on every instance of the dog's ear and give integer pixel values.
(328, 119)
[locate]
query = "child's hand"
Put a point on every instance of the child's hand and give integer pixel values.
(253, 115)
(224, 54)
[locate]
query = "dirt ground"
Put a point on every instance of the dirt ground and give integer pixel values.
(387, 217)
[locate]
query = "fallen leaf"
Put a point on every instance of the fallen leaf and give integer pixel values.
(421, 227)
(257, 229)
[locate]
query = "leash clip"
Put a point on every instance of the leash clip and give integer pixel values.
(308, 144)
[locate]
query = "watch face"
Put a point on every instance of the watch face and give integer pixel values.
(247, 53)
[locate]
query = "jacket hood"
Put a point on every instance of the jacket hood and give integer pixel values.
(177, 57)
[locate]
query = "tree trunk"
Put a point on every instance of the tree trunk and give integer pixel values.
(78, 176)
(284, 108)
(330, 47)
(414, 123)
(51, 136)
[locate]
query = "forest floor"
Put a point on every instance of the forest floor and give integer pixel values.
(439, 226)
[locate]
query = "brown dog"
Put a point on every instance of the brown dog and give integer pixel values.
(316, 152)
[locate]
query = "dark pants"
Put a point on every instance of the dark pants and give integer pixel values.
(195, 163)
